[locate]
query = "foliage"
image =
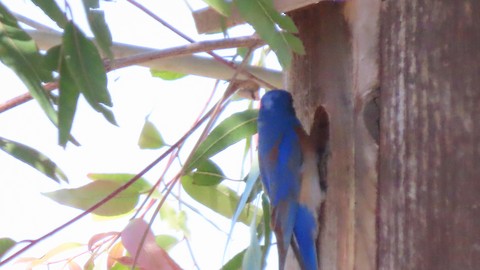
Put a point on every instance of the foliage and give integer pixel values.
(276, 29)
(78, 68)
(33, 158)
(5, 245)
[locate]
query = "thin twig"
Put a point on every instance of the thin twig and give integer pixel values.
(196, 211)
(154, 187)
(34, 242)
(32, 23)
(19, 100)
(202, 46)
(187, 38)
(190, 250)
(216, 112)
(172, 158)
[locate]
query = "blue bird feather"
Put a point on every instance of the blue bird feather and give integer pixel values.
(288, 166)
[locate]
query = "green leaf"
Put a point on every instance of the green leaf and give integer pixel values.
(262, 15)
(253, 256)
(99, 27)
(141, 185)
(167, 75)
(68, 94)
(220, 199)
(150, 137)
(83, 60)
(33, 158)
(231, 130)
(86, 196)
(91, 3)
(295, 43)
(283, 21)
(257, 189)
(207, 174)
(242, 204)
(235, 263)
(67, 104)
(5, 245)
(53, 11)
(267, 229)
(19, 52)
(250, 184)
(53, 58)
(166, 241)
(221, 6)
(176, 220)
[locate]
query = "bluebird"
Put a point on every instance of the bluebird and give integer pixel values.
(288, 166)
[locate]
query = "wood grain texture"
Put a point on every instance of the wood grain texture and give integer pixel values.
(340, 74)
(363, 17)
(429, 178)
(322, 77)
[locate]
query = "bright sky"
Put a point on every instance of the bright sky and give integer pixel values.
(26, 214)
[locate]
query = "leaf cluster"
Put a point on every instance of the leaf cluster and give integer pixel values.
(76, 67)
(277, 29)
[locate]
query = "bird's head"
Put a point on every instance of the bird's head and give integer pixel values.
(277, 102)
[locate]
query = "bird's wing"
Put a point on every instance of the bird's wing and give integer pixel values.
(281, 167)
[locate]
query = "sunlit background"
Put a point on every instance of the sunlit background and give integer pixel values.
(173, 106)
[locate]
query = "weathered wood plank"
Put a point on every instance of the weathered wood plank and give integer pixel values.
(340, 73)
(429, 184)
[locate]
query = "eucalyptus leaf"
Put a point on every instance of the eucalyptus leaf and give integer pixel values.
(150, 137)
(230, 131)
(141, 185)
(91, 3)
(253, 256)
(283, 21)
(166, 241)
(88, 195)
(242, 203)
(267, 230)
(33, 158)
(235, 263)
(99, 27)
(295, 43)
(53, 11)
(83, 60)
(207, 174)
(220, 199)
(250, 183)
(176, 220)
(261, 14)
(56, 251)
(221, 6)
(19, 52)
(53, 58)
(167, 75)
(67, 104)
(5, 245)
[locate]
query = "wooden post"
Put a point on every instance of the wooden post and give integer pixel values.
(429, 184)
(339, 75)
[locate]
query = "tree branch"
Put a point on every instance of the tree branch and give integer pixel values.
(187, 64)
(218, 58)
(155, 56)
(202, 46)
